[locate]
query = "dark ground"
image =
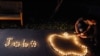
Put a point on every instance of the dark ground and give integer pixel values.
(43, 49)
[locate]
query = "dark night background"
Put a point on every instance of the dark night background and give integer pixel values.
(67, 11)
(51, 15)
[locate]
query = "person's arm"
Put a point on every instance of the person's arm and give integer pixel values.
(76, 25)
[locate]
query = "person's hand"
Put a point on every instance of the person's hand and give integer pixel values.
(82, 35)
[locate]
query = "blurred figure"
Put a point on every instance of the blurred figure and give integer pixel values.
(83, 26)
(86, 30)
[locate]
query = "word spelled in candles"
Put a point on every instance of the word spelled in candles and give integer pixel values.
(10, 42)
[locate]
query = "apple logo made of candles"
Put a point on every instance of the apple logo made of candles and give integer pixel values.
(73, 39)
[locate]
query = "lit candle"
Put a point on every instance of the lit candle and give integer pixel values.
(16, 44)
(33, 43)
(8, 42)
(24, 44)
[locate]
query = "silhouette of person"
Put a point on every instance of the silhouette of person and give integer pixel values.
(86, 30)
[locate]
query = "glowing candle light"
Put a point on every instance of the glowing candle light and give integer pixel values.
(11, 43)
(33, 43)
(16, 44)
(24, 44)
(8, 42)
(66, 36)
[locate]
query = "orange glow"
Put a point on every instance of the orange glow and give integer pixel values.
(67, 36)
